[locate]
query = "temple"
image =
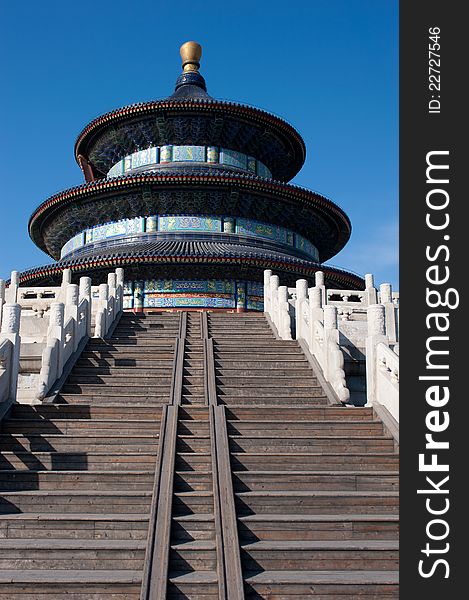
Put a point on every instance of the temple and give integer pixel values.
(191, 196)
(192, 404)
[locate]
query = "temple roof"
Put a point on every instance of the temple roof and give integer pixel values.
(189, 248)
(190, 116)
(187, 257)
(189, 191)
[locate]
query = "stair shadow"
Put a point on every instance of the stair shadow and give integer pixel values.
(8, 508)
(254, 567)
(236, 465)
(23, 473)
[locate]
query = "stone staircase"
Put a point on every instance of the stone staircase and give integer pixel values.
(315, 485)
(196, 456)
(77, 474)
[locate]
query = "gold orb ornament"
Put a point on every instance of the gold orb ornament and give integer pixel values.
(190, 54)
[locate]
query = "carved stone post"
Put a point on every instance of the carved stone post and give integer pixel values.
(315, 311)
(2, 298)
(385, 290)
(330, 318)
(71, 311)
(319, 282)
(120, 288)
(11, 295)
(301, 298)
(85, 294)
(11, 331)
(101, 315)
(267, 293)
(371, 292)
(56, 332)
(284, 324)
(376, 334)
(112, 283)
(274, 285)
(330, 327)
(376, 320)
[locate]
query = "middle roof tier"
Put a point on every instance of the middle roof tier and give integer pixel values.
(190, 191)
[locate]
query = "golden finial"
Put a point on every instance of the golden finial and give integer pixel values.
(190, 54)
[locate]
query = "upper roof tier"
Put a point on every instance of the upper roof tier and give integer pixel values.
(190, 116)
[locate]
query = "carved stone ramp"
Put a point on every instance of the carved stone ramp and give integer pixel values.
(189, 556)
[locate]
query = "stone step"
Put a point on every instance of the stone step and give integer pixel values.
(319, 502)
(187, 481)
(253, 370)
(334, 584)
(186, 461)
(312, 555)
(318, 461)
(193, 585)
(271, 401)
(193, 381)
(85, 412)
(288, 391)
(74, 526)
(259, 428)
(257, 335)
(114, 399)
(149, 329)
(193, 371)
(127, 359)
(307, 414)
(325, 443)
(78, 460)
(113, 387)
(193, 527)
(260, 360)
(86, 443)
(318, 527)
(193, 427)
(80, 501)
(145, 353)
(77, 426)
(120, 366)
(248, 331)
(117, 380)
(72, 554)
(251, 349)
(244, 481)
(194, 555)
(75, 480)
(198, 413)
(192, 503)
(132, 345)
(267, 383)
(193, 400)
(18, 584)
(189, 443)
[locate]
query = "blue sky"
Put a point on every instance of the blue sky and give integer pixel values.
(330, 67)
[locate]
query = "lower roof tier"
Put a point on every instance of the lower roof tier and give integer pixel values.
(191, 192)
(189, 259)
